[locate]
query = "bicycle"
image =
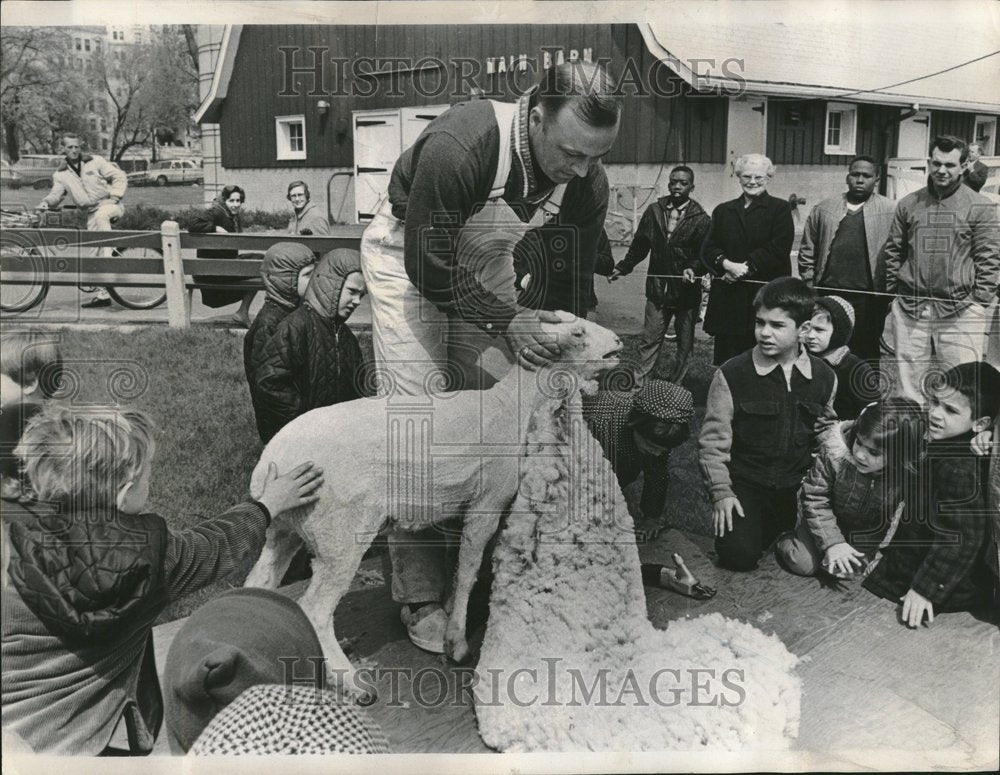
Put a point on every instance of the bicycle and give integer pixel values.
(21, 298)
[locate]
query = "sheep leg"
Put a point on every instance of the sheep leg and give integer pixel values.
(279, 548)
(480, 525)
(330, 580)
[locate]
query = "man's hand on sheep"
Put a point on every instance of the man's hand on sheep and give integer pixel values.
(533, 347)
(296, 488)
(722, 514)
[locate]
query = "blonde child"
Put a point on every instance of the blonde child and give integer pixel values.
(30, 372)
(848, 497)
(89, 571)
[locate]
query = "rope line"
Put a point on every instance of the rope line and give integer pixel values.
(818, 288)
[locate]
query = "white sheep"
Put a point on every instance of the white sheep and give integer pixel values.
(570, 660)
(414, 461)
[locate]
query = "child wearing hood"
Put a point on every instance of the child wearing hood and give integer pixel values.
(313, 359)
(285, 272)
(88, 569)
(829, 332)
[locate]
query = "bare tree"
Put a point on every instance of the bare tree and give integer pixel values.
(39, 94)
(149, 87)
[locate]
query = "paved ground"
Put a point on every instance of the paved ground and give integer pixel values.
(875, 694)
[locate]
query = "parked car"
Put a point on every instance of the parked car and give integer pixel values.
(35, 169)
(8, 178)
(160, 173)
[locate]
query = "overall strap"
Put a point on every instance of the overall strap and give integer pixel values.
(551, 206)
(506, 115)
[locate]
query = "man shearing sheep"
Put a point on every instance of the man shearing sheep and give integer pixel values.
(437, 260)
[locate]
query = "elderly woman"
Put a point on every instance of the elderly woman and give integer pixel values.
(748, 244)
(222, 216)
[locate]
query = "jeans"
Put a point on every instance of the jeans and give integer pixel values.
(657, 319)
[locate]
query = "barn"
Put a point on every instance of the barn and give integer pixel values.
(335, 105)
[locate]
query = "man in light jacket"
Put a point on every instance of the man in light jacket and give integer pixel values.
(96, 185)
(307, 219)
(942, 260)
(841, 248)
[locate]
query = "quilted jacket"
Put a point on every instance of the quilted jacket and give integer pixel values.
(838, 502)
(280, 274)
(81, 592)
(313, 359)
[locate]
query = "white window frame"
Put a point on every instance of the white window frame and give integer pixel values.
(991, 121)
(282, 137)
(847, 114)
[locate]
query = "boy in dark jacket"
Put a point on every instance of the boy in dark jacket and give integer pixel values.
(313, 359)
(761, 424)
(942, 556)
(87, 573)
(672, 230)
(285, 272)
(829, 332)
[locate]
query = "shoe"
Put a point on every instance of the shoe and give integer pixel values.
(426, 627)
(238, 321)
(97, 301)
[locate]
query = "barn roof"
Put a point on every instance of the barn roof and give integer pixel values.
(858, 52)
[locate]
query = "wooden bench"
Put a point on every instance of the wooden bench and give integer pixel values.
(163, 259)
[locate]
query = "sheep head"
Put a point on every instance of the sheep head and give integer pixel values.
(586, 351)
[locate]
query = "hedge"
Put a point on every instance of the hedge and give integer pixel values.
(148, 218)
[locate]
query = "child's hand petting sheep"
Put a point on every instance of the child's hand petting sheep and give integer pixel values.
(296, 488)
(722, 514)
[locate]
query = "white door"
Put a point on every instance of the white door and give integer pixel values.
(377, 145)
(914, 136)
(746, 133)
(986, 132)
(415, 119)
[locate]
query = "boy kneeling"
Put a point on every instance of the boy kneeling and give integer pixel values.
(943, 556)
(760, 426)
(88, 572)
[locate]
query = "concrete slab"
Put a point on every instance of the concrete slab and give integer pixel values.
(871, 687)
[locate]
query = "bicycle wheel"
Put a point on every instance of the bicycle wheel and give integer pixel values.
(138, 298)
(20, 298)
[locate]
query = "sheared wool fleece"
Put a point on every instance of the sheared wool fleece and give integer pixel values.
(567, 596)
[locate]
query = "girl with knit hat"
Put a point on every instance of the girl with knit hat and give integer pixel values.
(827, 338)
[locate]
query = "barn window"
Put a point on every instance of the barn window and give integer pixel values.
(290, 132)
(841, 128)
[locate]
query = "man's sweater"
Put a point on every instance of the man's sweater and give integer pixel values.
(447, 174)
(99, 179)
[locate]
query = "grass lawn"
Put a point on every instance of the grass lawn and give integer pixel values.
(192, 384)
(168, 197)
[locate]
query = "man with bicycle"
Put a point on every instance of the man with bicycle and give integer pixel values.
(96, 185)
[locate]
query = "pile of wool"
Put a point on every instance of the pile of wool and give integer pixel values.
(570, 661)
